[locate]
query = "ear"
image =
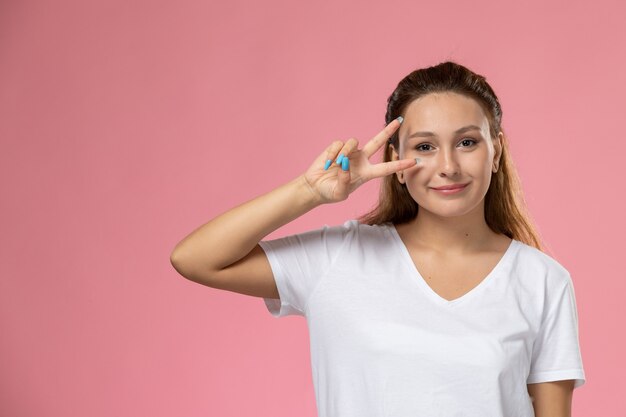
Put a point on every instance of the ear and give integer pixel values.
(395, 157)
(497, 145)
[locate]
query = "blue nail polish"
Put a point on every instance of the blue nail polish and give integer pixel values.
(400, 119)
(345, 164)
(339, 159)
(327, 164)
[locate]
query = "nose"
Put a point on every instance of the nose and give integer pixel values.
(448, 164)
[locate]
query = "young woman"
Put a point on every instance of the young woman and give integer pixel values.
(439, 302)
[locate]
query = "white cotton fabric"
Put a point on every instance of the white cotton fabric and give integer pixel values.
(384, 344)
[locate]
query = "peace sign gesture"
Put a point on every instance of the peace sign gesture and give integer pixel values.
(342, 167)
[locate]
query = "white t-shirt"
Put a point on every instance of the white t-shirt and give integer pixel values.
(384, 344)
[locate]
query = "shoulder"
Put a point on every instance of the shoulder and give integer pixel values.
(355, 227)
(367, 232)
(539, 268)
(349, 233)
(356, 235)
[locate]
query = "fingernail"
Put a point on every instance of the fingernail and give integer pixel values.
(417, 160)
(327, 164)
(339, 159)
(345, 164)
(400, 119)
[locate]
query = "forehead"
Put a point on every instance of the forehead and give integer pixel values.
(442, 114)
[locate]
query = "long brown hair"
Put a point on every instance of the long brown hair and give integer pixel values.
(505, 209)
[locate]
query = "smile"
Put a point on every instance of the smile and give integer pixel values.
(455, 190)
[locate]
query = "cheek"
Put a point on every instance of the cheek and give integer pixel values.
(419, 171)
(483, 166)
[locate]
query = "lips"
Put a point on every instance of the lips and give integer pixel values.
(450, 187)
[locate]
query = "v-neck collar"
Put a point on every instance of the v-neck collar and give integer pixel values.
(504, 260)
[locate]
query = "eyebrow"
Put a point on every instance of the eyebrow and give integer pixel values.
(430, 134)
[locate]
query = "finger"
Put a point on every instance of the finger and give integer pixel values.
(388, 168)
(381, 138)
(343, 179)
(350, 145)
(331, 153)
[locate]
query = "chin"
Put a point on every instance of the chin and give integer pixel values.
(450, 214)
(454, 209)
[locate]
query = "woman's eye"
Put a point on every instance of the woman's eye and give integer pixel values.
(472, 141)
(467, 143)
(420, 147)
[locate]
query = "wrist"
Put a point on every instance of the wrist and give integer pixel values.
(310, 197)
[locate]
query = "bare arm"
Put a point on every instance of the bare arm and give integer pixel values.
(224, 253)
(230, 236)
(552, 399)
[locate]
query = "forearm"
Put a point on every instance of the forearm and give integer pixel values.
(233, 234)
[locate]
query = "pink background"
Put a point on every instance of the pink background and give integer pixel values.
(127, 124)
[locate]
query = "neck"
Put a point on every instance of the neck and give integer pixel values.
(460, 234)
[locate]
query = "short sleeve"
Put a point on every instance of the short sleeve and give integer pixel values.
(556, 351)
(298, 263)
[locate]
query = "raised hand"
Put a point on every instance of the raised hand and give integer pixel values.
(343, 167)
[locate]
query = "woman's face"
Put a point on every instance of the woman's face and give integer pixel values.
(449, 132)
